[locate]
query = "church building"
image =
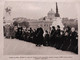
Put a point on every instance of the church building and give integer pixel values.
(52, 19)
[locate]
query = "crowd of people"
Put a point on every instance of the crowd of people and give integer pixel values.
(66, 39)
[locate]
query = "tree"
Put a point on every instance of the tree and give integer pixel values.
(15, 23)
(24, 23)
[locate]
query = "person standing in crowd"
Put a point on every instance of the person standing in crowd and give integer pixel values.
(27, 35)
(34, 36)
(15, 30)
(12, 32)
(24, 33)
(74, 42)
(66, 41)
(7, 31)
(30, 30)
(39, 36)
(57, 36)
(30, 34)
(61, 40)
(76, 46)
(4, 31)
(19, 33)
(46, 38)
(52, 36)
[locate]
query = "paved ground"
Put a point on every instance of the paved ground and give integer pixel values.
(17, 47)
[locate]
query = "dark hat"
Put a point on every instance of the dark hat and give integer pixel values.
(58, 26)
(53, 27)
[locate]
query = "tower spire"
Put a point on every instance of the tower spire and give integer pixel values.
(57, 14)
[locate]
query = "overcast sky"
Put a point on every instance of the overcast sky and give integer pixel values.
(39, 9)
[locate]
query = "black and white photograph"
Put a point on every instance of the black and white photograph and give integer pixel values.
(40, 28)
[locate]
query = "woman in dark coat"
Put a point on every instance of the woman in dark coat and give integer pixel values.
(39, 36)
(12, 32)
(66, 41)
(52, 37)
(57, 36)
(46, 38)
(61, 40)
(74, 41)
(19, 33)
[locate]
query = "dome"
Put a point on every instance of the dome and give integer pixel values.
(51, 12)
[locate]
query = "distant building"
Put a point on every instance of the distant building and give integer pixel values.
(46, 21)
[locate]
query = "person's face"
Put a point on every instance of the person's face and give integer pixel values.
(73, 29)
(61, 33)
(66, 34)
(24, 28)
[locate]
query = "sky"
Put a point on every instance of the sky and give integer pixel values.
(36, 10)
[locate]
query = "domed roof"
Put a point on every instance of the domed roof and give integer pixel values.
(51, 12)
